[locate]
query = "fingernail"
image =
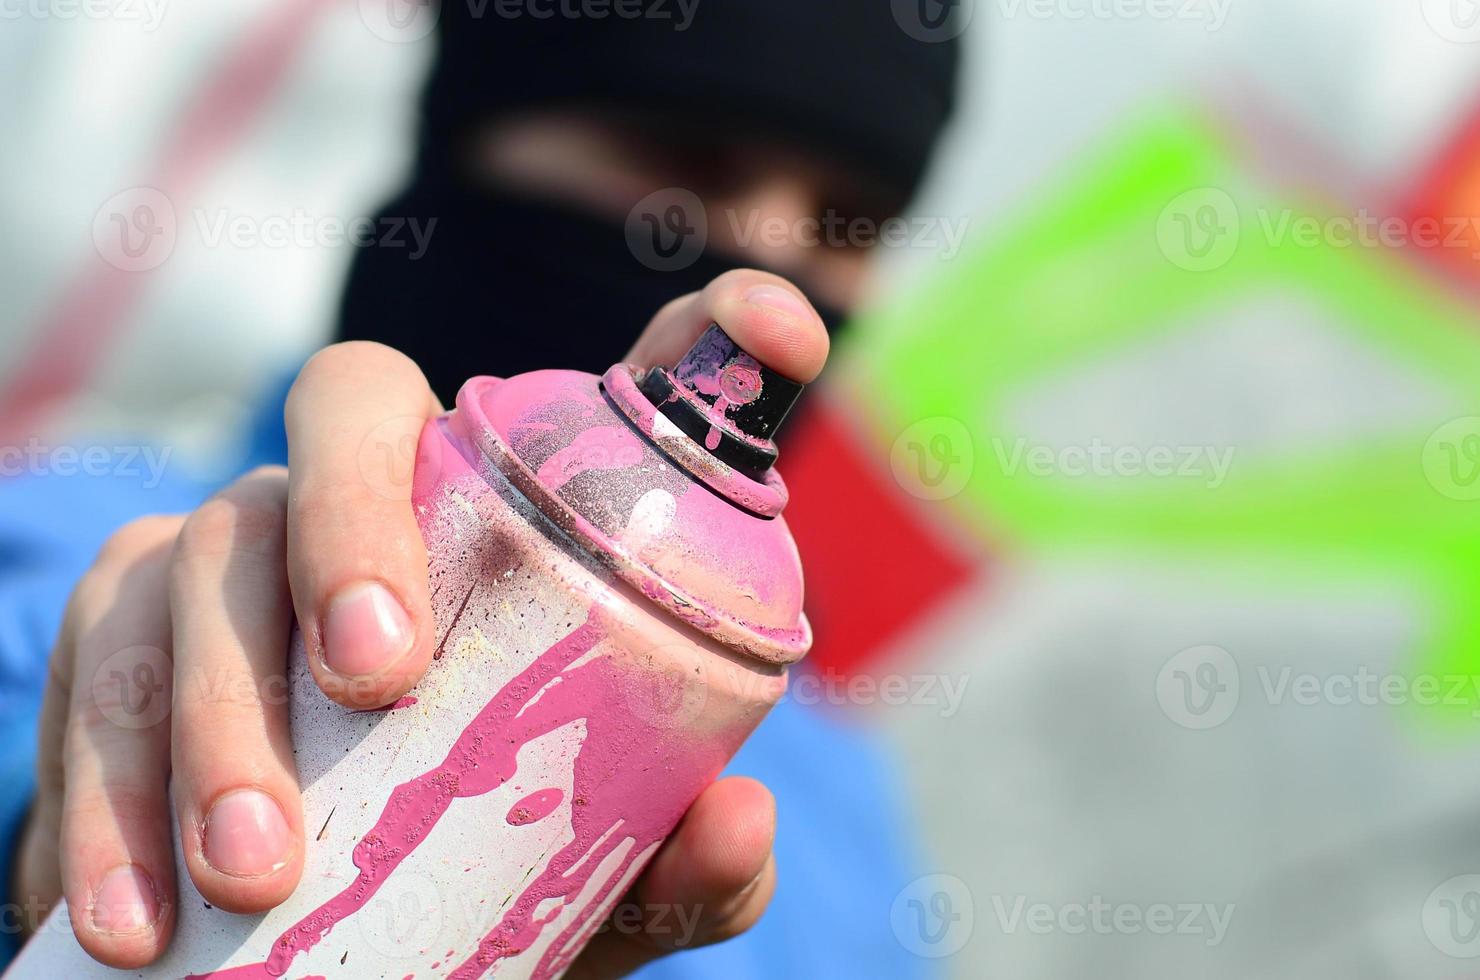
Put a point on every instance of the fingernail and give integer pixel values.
(777, 298)
(247, 835)
(365, 631)
(125, 901)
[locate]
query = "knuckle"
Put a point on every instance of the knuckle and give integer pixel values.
(227, 700)
(344, 519)
(98, 727)
(136, 538)
(117, 801)
(97, 589)
(233, 522)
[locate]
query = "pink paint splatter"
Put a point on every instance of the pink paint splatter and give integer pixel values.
(534, 807)
(252, 971)
(634, 776)
(480, 761)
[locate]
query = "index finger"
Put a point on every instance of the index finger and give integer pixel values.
(357, 565)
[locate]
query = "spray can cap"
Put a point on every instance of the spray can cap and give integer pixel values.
(726, 400)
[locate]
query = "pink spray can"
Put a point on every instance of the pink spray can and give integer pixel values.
(617, 598)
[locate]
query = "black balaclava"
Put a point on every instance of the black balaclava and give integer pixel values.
(509, 283)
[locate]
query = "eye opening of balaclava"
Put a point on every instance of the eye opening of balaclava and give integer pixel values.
(507, 282)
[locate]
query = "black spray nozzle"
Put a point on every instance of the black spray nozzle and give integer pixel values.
(720, 396)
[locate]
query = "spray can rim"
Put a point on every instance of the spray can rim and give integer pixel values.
(783, 641)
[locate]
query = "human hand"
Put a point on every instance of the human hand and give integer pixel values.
(216, 592)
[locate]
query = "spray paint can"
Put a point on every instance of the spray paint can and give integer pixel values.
(617, 598)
